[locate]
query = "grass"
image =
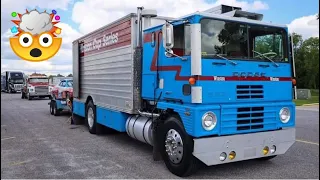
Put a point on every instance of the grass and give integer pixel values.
(314, 98)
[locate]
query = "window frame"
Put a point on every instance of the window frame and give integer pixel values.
(247, 24)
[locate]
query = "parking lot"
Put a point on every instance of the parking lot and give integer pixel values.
(35, 144)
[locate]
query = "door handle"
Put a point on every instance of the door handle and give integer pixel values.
(264, 65)
(219, 63)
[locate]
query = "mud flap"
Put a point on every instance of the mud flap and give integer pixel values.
(155, 150)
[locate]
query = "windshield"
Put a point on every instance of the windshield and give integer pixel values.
(236, 40)
(70, 83)
(39, 80)
(16, 75)
(20, 81)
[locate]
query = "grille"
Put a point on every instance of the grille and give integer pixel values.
(249, 92)
(18, 86)
(250, 118)
(42, 89)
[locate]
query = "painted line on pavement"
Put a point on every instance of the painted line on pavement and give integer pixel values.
(307, 142)
(7, 138)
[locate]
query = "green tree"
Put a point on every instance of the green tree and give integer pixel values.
(309, 52)
(70, 75)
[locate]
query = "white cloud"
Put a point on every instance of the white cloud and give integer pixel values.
(307, 26)
(92, 14)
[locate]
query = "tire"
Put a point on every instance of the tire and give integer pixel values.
(267, 158)
(186, 164)
(91, 119)
(56, 111)
(29, 97)
(51, 107)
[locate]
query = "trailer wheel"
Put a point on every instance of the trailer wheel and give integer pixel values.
(176, 148)
(91, 120)
(56, 111)
(51, 107)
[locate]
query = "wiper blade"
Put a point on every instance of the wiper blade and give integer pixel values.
(277, 65)
(220, 56)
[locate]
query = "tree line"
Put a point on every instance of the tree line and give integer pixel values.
(306, 54)
(59, 75)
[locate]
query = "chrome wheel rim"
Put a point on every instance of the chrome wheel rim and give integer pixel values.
(174, 146)
(90, 117)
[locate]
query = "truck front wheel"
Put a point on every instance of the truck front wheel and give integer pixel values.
(176, 148)
(29, 97)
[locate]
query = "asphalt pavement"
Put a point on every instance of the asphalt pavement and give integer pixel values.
(35, 144)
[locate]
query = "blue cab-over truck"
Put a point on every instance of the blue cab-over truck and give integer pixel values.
(211, 87)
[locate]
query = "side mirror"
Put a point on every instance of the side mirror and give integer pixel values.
(167, 36)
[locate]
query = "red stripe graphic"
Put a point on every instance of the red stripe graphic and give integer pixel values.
(178, 77)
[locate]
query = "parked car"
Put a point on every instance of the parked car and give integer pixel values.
(63, 90)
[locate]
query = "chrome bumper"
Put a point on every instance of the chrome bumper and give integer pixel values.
(246, 146)
(39, 94)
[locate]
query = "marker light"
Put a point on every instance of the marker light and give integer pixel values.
(265, 150)
(232, 155)
(192, 81)
(223, 156)
(272, 149)
(294, 82)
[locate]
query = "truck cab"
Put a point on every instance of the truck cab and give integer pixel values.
(35, 86)
(11, 81)
(224, 80)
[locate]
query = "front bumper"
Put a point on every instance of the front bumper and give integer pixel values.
(39, 94)
(246, 146)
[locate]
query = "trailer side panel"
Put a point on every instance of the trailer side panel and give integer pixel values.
(106, 66)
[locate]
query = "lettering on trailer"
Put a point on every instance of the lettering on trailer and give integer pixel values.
(274, 79)
(110, 37)
(96, 44)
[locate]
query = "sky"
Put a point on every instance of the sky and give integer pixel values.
(79, 17)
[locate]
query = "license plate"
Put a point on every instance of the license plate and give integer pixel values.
(63, 102)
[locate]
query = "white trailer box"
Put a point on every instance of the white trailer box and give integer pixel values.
(107, 65)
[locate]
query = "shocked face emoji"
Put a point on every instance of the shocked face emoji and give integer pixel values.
(37, 36)
(35, 47)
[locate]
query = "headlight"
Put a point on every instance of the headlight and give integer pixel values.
(209, 121)
(284, 115)
(31, 89)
